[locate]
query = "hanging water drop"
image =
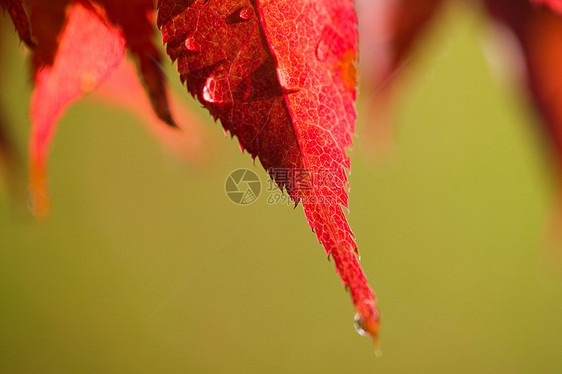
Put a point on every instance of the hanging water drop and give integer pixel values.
(192, 45)
(359, 325)
(360, 328)
(246, 13)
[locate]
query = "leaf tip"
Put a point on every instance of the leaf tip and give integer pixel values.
(367, 322)
(39, 200)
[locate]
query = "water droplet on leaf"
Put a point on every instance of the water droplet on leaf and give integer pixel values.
(192, 45)
(210, 93)
(287, 82)
(246, 13)
(359, 325)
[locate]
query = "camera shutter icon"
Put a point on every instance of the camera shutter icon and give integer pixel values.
(242, 186)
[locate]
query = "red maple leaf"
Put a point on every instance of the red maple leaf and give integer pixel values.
(280, 75)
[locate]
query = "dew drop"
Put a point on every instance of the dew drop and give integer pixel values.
(359, 325)
(246, 13)
(322, 50)
(191, 44)
(286, 81)
(210, 93)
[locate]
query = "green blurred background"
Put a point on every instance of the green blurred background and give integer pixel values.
(454, 227)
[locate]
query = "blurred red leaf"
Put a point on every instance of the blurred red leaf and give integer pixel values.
(407, 20)
(280, 75)
(76, 45)
(19, 18)
(87, 52)
(136, 19)
(390, 31)
(7, 152)
(538, 31)
(544, 63)
(555, 4)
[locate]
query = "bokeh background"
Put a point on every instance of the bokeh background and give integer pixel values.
(453, 229)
